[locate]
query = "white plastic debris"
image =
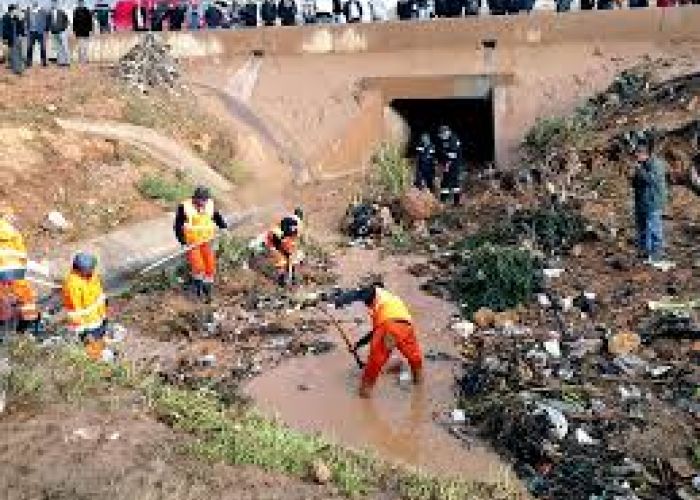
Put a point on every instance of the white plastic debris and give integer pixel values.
(464, 329)
(582, 437)
(207, 360)
(3, 401)
(559, 426)
(696, 483)
(663, 265)
(553, 348)
(459, 416)
(552, 273)
(56, 220)
(589, 295)
(543, 300)
(659, 371)
(108, 355)
(630, 393)
(114, 436)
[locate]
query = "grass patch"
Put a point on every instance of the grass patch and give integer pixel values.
(496, 277)
(158, 188)
(221, 432)
(556, 133)
(391, 174)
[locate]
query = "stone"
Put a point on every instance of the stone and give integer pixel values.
(56, 221)
(625, 342)
(418, 205)
(320, 472)
(387, 220)
(505, 319)
(681, 467)
(484, 318)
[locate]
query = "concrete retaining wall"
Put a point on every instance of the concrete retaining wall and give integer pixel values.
(536, 29)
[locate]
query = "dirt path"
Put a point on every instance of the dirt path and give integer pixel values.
(63, 454)
(318, 393)
(162, 148)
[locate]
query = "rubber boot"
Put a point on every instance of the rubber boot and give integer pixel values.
(207, 291)
(457, 199)
(197, 288)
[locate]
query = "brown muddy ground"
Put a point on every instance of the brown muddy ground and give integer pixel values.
(66, 454)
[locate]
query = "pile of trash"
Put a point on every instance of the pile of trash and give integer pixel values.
(591, 413)
(148, 65)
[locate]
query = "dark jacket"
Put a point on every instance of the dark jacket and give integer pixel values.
(425, 156)
(649, 184)
(353, 11)
(449, 152)
(12, 27)
(268, 12)
(249, 14)
(58, 21)
(82, 22)
(180, 220)
(288, 12)
(176, 18)
(213, 16)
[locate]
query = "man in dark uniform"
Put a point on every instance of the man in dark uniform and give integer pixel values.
(425, 163)
(449, 156)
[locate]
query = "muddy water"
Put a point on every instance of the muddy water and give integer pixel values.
(318, 393)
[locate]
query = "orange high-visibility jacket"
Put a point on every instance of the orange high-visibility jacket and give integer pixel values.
(13, 253)
(287, 245)
(84, 302)
(199, 226)
(388, 307)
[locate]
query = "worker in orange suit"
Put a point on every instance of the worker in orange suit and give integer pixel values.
(281, 244)
(196, 222)
(85, 304)
(392, 327)
(14, 288)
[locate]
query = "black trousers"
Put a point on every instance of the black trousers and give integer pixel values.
(39, 38)
(450, 187)
(425, 177)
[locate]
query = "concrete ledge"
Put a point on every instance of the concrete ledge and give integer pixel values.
(540, 28)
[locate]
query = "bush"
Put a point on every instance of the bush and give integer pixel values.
(493, 276)
(232, 252)
(170, 191)
(555, 133)
(392, 174)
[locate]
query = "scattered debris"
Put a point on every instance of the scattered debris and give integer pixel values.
(320, 472)
(55, 221)
(148, 65)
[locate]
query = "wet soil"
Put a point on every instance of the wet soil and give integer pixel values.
(400, 422)
(118, 455)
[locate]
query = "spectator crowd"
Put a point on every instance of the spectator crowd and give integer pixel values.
(25, 29)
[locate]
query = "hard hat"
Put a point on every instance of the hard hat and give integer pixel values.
(201, 193)
(84, 262)
(289, 226)
(425, 138)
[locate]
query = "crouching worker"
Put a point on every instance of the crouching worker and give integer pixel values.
(280, 248)
(392, 327)
(85, 304)
(196, 221)
(17, 296)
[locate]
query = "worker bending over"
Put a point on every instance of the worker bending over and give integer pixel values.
(85, 304)
(392, 327)
(279, 246)
(196, 221)
(13, 269)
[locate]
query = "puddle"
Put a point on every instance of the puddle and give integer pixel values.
(319, 393)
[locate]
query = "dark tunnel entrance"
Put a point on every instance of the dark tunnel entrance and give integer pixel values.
(472, 119)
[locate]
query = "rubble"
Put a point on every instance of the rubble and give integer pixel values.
(148, 65)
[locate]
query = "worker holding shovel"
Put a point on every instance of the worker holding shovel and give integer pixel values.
(196, 222)
(392, 327)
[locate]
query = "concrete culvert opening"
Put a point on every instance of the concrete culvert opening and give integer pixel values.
(472, 119)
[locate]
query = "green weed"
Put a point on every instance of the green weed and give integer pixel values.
(392, 174)
(169, 191)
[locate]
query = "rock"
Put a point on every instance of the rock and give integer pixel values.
(505, 319)
(387, 220)
(320, 472)
(681, 467)
(57, 222)
(418, 205)
(625, 342)
(484, 318)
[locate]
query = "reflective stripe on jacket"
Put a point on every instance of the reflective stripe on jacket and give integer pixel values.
(84, 302)
(388, 307)
(13, 253)
(199, 226)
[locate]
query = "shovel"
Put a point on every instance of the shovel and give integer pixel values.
(348, 343)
